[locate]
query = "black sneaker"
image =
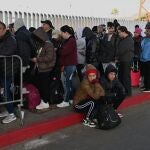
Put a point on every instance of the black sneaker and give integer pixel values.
(92, 124)
(89, 123)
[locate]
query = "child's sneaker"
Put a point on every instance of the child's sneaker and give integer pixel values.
(90, 123)
(85, 122)
(120, 115)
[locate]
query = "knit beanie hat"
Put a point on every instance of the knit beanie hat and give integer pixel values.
(90, 69)
(18, 23)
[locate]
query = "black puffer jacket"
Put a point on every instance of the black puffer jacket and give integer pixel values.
(8, 47)
(25, 44)
(107, 51)
(112, 88)
(92, 46)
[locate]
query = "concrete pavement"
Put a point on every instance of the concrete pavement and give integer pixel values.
(132, 134)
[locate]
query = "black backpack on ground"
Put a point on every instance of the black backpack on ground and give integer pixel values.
(56, 92)
(107, 117)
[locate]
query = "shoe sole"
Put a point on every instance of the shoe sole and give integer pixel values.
(42, 110)
(92, 126)
(62, 106)
(3, 116)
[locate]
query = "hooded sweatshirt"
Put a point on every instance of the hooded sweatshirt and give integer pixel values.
(25, 45)
(46, 55)
(92, 46)
(88, 90)
(112, 88)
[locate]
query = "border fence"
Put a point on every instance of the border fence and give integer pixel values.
(34, 19)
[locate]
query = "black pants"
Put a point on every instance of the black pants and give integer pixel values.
(116, 101)
(146, 74)
(43, 84)
(87, 107)
(124, 69)
(79, 70)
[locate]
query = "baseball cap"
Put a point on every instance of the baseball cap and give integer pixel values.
(49, 23)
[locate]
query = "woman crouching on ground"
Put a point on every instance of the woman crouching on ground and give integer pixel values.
(88, 95)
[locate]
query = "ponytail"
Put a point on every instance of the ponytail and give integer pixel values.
(68, 29)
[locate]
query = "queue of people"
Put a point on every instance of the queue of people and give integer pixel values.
(102, 58)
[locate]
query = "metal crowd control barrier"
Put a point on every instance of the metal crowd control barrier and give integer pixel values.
(5, 62)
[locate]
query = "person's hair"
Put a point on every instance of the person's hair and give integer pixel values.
(68, 29)
(136, 26)
(11, 25)
(123, 29)
(3, 24)
(110, 24)
(32, 29)
(94, 29)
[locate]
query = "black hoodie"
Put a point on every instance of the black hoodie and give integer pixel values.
(112, 88)
(92, 46)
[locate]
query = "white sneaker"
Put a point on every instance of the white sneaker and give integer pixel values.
(4, 114)
(9, 118)
(42, 105)
(63, 104)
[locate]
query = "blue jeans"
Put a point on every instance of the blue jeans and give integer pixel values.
(68, 73)
(7, 95)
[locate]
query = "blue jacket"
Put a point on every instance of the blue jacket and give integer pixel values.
(145, 54)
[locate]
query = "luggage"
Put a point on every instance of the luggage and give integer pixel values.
(107, 117)
(135, 74)
(32, 97)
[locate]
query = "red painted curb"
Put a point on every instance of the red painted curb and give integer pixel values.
(52, 125)
(134, 100)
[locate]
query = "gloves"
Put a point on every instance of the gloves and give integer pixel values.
(95, 81)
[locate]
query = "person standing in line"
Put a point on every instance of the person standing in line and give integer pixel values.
(68, 62)
(125, 53)
(44, 63)
(145, 58)
(81, 50)
(8, 47)
(48, 28)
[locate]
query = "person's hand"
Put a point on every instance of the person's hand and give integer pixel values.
(34, 59)
(62, 69)
(95, 81)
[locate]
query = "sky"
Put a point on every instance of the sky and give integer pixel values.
(96, 8)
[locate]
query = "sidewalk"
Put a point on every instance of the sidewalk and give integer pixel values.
(37, 124)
